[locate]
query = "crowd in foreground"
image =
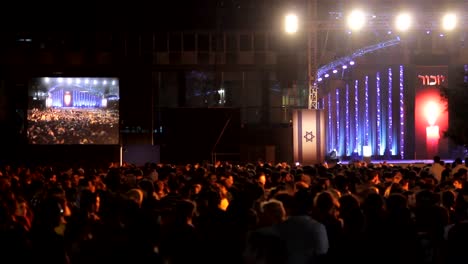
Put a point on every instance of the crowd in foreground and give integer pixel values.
(224, 213)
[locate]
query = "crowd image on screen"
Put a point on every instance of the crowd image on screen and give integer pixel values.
(234, 213)
(73, 126)
(73, 111)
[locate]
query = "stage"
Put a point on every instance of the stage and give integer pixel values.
(403, 163)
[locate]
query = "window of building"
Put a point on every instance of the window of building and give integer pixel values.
(133, 44)
(175, 42)
(231, 42)
(189, 42)
(259, 42)
(103, 41)
(147, 43)
(245, 42)
(160, 42)
(272, 43)
(203, 42)
(217, 42)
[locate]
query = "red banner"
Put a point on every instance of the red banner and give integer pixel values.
(431, 116)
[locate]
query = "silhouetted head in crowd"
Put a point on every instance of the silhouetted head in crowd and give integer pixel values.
(212, 199)
(448, 199)
(348, 204)
(52, 215)
(89, 202)
(326, 204)
(147, 187)
(425, 198)
(342, 184)
(373, 203)
(173, 183)
(272, 212)
(112, 180)
(289, 203)
(136, 196)
(396, 203)
(185, 212)
(373, 176)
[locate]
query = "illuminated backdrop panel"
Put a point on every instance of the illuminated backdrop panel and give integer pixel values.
(388, 112)
(430, 115)
(368, 113)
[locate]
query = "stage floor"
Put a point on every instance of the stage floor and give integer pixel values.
(418, 163)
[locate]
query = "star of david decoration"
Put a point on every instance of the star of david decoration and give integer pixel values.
(309, 136)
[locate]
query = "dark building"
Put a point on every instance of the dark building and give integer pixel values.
(229, 58)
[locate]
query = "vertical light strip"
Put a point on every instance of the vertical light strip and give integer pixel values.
(357, 147)
(337, 120)
(330, 131)
(390, 112)
(366, 111)
(466, 72)
(379, 132)
(347, 138)
(402, 114)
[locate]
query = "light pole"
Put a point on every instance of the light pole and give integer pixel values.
(308, 124)
(291, 26)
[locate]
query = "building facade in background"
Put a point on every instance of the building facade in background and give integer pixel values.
(228, 54)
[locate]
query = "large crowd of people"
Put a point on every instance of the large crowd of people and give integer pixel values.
(225, 213)
(73, 126)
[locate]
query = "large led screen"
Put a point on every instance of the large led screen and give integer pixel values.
(73, 111)
(431, 117)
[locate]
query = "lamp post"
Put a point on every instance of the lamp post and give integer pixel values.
(291, 26)
(308, 124)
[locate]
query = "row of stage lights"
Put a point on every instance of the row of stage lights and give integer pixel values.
(60, 80)
(335, 71)
(357, 20)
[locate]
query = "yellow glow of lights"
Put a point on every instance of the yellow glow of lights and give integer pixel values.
(291, 24)
(356, 20)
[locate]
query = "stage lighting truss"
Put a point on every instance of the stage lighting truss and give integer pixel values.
(422, 21)
(349, 60)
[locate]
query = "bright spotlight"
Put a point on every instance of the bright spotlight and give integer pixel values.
(351, 63)
(344, 67)
(78, 80)
(449, 22)
(95, 82)
(86, 81)
(104, 82)
(356, 20)
(319, 79)
(291, 24)
(403, 22)
(60, 79)
(327, 75)
(69, 80)
(335, 71)
(46, 79)
(432, 112)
